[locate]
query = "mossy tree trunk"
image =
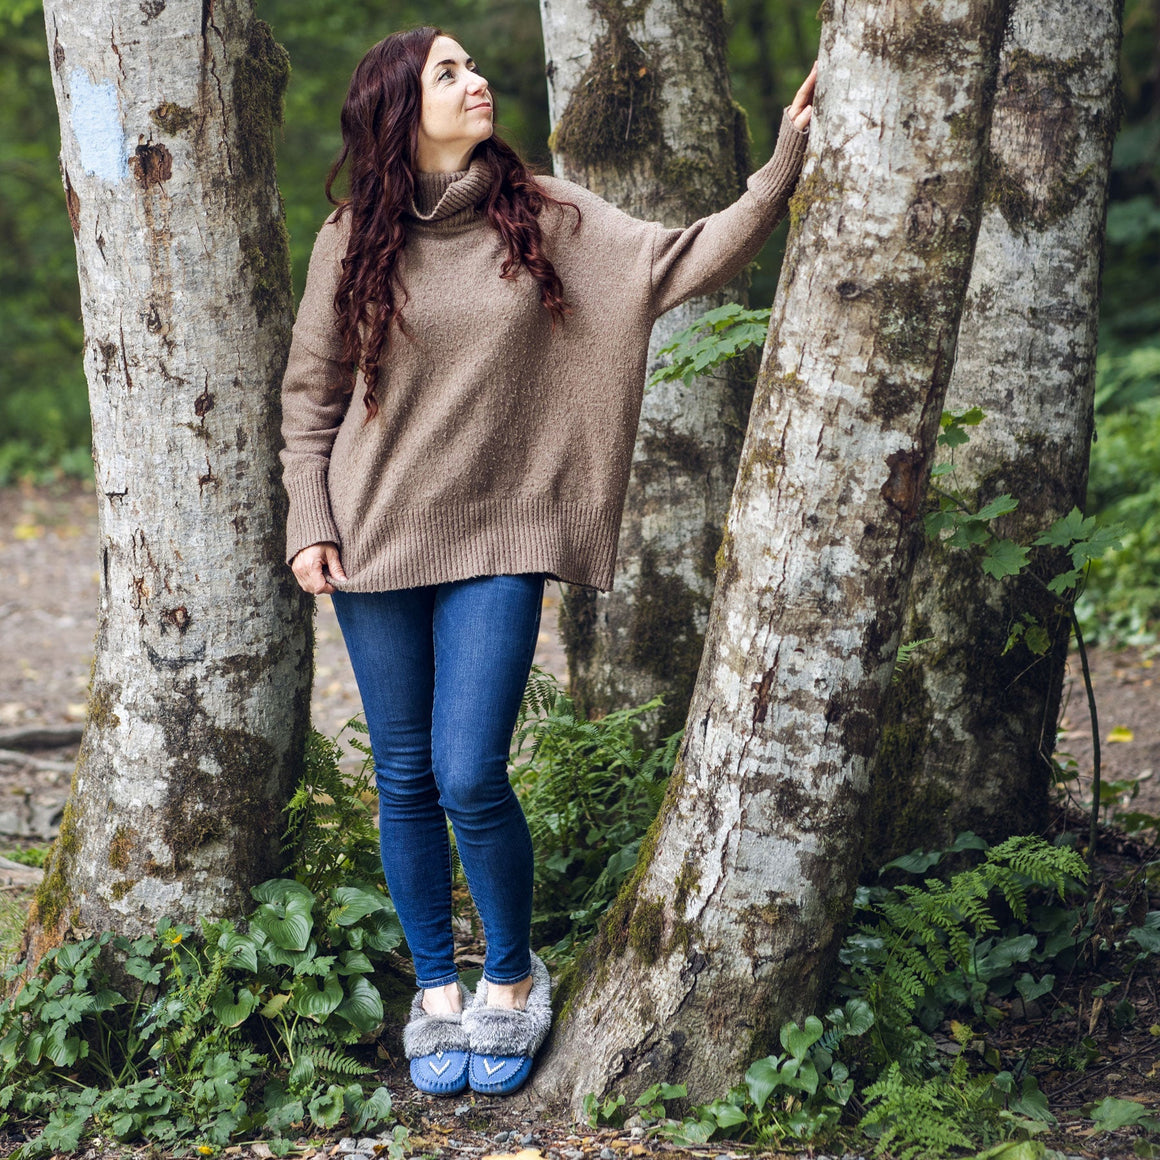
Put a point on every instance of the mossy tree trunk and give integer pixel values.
(731, 922)
(641, 105)
(200, 685)
(968, 732)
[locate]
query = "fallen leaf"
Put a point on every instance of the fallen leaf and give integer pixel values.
(28, 531)
(1121, 733)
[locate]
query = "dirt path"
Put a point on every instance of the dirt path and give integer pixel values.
(48, 556)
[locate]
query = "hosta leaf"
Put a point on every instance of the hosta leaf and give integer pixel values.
(355, 902)
(363, 1006)
(232, 1008)
(287, 923)
(314, 1001)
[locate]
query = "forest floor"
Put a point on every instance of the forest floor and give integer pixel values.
(48, 603)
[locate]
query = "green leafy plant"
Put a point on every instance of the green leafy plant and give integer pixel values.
(715, 337)
(589, 790)
(798, 1094)
(331, 815)
(188, 1036)
(917, 951)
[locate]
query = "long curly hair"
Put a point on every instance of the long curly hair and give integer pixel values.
(380, 132)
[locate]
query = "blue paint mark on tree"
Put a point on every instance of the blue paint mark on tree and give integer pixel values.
(95, 117)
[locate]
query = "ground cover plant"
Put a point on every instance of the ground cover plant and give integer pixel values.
(976, 983)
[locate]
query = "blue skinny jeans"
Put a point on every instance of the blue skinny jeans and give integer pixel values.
(441, 671)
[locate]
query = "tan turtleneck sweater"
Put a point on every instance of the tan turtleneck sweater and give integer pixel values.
(501, 445)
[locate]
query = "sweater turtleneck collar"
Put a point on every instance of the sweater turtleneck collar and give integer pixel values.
(449, 199)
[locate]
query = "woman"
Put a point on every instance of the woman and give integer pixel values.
(459, 406)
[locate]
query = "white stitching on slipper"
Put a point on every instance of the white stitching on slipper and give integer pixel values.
(491, 1070)
(439, 1070)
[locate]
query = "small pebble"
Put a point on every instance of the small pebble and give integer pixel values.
(637, 1132)
(346, 1144)
(501, 1137)
(463, 1109)
(366, 1144)
(607, 1154)
(573, 1154)
(528, 1140)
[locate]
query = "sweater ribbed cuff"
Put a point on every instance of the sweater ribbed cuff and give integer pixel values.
(777, 177)
(310, 520)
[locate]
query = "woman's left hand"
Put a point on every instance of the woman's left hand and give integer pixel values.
(802, 108)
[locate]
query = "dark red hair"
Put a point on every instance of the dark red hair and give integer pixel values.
(380, 132)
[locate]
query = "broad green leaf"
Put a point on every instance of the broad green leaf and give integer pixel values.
(941, 469)
(798, 1040)
(374, 1110)
(1112, 1113)
(363, 1006)
(326, 1109)
(354, 962)
(317, 1002)
(762, 1078)
(971, 417)
(954, 437)
(1031, 989)
(287, 923)
(1063, 581)
(1147, 938)
(242, 950)
(1015, 1150)
(233, 1008)
(695, 1132)
(1037, 640)
(1001, 505)
(355, 902)
(1063, 532)
(275, 1004)
(1004, 558)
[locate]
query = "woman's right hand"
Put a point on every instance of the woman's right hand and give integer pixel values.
(314, 567)
(802, 108)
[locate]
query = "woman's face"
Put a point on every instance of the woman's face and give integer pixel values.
(457, 108)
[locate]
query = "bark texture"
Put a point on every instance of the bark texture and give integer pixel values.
(731, 922)
(968, 733)
(200, 689)
(640, 99)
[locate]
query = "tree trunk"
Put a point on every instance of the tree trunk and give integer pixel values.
(200, 689)
(968, 733)
(731, 921)
(643, 115)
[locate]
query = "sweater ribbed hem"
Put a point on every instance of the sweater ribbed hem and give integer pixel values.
(572, 541)
(777, 177)
(310, 520)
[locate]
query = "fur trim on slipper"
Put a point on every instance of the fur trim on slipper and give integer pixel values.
(498, 1031)
(427, 1034)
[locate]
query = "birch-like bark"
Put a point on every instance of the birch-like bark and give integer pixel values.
(731, 921)
(968, 732)
(200, 687)
(643, 115)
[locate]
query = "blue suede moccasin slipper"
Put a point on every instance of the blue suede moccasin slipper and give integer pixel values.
(438, 1049)
(504, 1041)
